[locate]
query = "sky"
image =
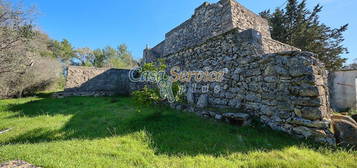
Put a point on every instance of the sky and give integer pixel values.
(99, 23)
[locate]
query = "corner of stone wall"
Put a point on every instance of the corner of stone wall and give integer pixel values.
(244, 18)
(296, 95)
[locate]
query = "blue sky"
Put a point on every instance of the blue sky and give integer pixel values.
(98, 23)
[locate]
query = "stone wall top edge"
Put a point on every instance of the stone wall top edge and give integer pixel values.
(344, 71)
(89, 68)
(158, 45)
(188, 21)
(270, 39)
(235, 30)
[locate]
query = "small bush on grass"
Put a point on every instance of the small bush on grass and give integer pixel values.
(44, 74)
(151, 94)
(147, 96)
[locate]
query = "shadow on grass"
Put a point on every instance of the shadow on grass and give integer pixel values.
(44, 95)
(171, 132)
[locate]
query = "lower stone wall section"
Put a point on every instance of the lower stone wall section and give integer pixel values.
(90, 81)
(286, 90)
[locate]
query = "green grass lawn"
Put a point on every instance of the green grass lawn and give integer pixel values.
(115, 132)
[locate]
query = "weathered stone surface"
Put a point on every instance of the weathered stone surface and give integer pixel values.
(236, 103)
(202, 101)
(218, 117)
(269, 96)
(309, 123)
(311, 113)
(189, 96)
(323, 136)
(345, 129)
(179, 107)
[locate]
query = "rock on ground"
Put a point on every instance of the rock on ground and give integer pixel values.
(345, 129)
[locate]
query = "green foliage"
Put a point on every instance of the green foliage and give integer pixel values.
(112, 57)
(108, 57)
(86, 56)
(155, 67)
(60, 83)
(155, 71)
(298, 26)
(152, 95)
(125, 57)
(115, 132)
(351, 66)
(62, 50)
(147, 96)
(352, 112)
(87, 64)
(178, 92)
(99, 58)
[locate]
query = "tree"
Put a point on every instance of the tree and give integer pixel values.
(352, 66)
(62, 50)
(126, 56)
(26, 65)
(44, 73)
(300, 27)
(86, 56)
(111, 57)
(16, 28)
(99, 58)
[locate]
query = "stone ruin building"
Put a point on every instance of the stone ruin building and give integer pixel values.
(280, 85)
(283, 87)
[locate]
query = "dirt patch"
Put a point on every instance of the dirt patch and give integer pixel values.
(17, 164)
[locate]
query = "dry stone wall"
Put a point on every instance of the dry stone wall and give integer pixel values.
(89, 81)
(281, 86)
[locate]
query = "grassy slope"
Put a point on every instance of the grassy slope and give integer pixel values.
(114, 132)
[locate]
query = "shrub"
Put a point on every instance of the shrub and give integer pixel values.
(179, 95)
(151, 94)
(147, 96)
(45, 73)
